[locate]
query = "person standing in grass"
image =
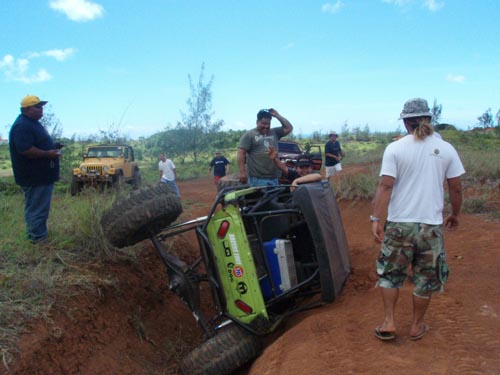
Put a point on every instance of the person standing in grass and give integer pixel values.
(220, 165)
(35, 162)
(168, 173)
(333, 156)
(411, 189)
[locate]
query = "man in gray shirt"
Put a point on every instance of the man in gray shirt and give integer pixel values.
(253, 161)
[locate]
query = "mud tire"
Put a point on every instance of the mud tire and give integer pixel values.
(229, 180)
(136, 181)
(118, 181)
(223, 353)
(142, 214)
(75, 187)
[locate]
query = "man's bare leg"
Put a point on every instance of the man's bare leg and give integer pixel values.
(420, 306)
(390, 298)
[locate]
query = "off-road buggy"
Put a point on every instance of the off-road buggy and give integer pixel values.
(265, 252)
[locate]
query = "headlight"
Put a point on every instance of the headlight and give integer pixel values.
(105, 169)
(84, 168)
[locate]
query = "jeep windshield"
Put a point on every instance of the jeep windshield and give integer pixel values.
(104, 152)
(289, 148)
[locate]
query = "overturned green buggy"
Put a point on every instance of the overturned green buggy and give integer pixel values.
(265, 252)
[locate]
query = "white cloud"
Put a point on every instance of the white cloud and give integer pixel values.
(432, 5)
(78, 10)
(58, 54)
(18, 69)
(455, 78)
(332, 8)
(397, 2)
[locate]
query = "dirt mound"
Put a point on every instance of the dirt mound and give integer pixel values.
(141, 328)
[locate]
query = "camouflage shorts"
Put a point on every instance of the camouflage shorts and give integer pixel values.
(420, 245)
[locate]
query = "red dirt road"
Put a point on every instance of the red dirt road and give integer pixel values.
(138, 327)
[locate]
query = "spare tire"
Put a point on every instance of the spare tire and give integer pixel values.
(223, 353)
(229, 180)
(142, 214)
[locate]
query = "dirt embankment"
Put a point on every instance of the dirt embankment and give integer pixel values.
(141, 328)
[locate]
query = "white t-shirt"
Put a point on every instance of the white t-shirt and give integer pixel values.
(420, 168)
(167, 167)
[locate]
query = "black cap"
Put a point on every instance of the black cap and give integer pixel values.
(303, 161)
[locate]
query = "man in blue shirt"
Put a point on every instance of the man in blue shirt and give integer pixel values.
(220, 165)
(35, 162)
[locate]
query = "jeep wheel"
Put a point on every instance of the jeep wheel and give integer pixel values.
(118, 181)
(223, 353)
(136, 181)
(142, 214)
(229, 180)
(75, 187)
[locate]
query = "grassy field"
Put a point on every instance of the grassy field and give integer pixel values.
(32, 279)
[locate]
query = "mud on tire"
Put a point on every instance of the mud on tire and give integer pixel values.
(142, 213)
(223, 353)
(229, 180)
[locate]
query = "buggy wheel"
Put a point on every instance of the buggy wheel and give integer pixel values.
(75, 187)
(229, 180)
(223, 353)
(142, 214)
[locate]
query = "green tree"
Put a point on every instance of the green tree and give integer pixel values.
(436, 112)
(197, 128)
(52, 123)
(486, 119)
(344, 132)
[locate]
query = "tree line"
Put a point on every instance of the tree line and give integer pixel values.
(198, 133)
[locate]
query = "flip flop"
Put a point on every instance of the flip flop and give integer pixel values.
(421, 334)
(384, 336)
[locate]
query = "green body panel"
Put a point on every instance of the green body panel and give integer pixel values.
(236, 266)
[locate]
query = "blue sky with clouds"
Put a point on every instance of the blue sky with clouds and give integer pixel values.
(124, 64)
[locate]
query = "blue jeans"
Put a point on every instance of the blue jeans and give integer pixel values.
(256, 181)
(36, 210)
(172, 184)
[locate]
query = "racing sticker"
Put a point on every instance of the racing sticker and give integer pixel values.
(242, 287)
(238, 271)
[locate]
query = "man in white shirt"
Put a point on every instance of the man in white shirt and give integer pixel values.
(168, 173)
(411, 191)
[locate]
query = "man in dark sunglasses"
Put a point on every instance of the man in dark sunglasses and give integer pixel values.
(253, 160)
(35, 162)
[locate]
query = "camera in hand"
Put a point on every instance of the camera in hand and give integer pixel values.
(59, 145)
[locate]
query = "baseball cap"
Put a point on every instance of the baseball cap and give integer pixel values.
(303, 161)
(264, 113)
(415, 107)
(31, 100)
(335, 134)
(218, 152)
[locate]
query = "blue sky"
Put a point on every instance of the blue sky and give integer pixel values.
(124, 64)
